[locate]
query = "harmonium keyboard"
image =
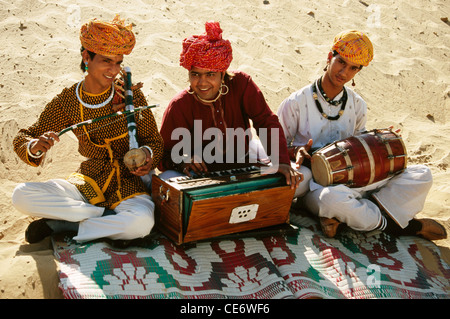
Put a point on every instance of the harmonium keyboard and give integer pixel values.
(224, 202)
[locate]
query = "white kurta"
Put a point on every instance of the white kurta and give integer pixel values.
(402, 196)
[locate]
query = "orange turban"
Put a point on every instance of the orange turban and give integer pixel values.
(354, 46)
(207, 51)
(107, 38)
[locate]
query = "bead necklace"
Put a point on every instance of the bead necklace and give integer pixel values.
(332, 102)
(343, 100)
(94, 106)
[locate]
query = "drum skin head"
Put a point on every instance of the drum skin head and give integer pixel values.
(135, 158)
(360, 160)
(320, 169)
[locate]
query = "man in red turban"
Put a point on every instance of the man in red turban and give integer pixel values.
(220, 100)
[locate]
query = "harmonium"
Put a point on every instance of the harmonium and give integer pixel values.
(224, 202)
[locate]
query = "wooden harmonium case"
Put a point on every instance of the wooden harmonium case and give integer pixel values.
(226, 202)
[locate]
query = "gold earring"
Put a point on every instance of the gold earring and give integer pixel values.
(221, 90)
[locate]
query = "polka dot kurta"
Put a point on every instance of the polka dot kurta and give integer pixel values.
(102, 178)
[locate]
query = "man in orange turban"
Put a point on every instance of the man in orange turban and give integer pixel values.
(110, 41)
(327, 111)
(103, 199)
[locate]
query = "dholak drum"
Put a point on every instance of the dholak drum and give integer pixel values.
(360, 160)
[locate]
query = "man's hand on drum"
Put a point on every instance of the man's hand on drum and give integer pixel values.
(293, 177)
(300, 153)
(147, 167)
(44, 143)
(197, 166)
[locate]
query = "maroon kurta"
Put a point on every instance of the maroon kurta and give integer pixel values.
(243, 102)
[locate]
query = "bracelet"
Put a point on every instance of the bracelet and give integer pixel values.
(29, 150)
(149, 149)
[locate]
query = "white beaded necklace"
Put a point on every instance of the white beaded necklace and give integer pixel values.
(94, 106)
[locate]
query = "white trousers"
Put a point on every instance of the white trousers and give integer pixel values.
(402, 196)
(60, 200)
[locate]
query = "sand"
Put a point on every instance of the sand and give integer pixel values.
(283, 45)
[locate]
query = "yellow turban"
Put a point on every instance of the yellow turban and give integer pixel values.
(107, 38)
(354, 46)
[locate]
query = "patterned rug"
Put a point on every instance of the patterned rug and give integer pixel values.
(303, 265)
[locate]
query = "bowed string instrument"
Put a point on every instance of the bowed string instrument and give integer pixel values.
(136, 156)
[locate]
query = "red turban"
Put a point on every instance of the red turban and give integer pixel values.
(207, 51)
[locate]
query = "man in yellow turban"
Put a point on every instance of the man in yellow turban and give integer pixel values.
(103, 199)
(327, 111)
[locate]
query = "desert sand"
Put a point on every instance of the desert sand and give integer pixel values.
(282, 44)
